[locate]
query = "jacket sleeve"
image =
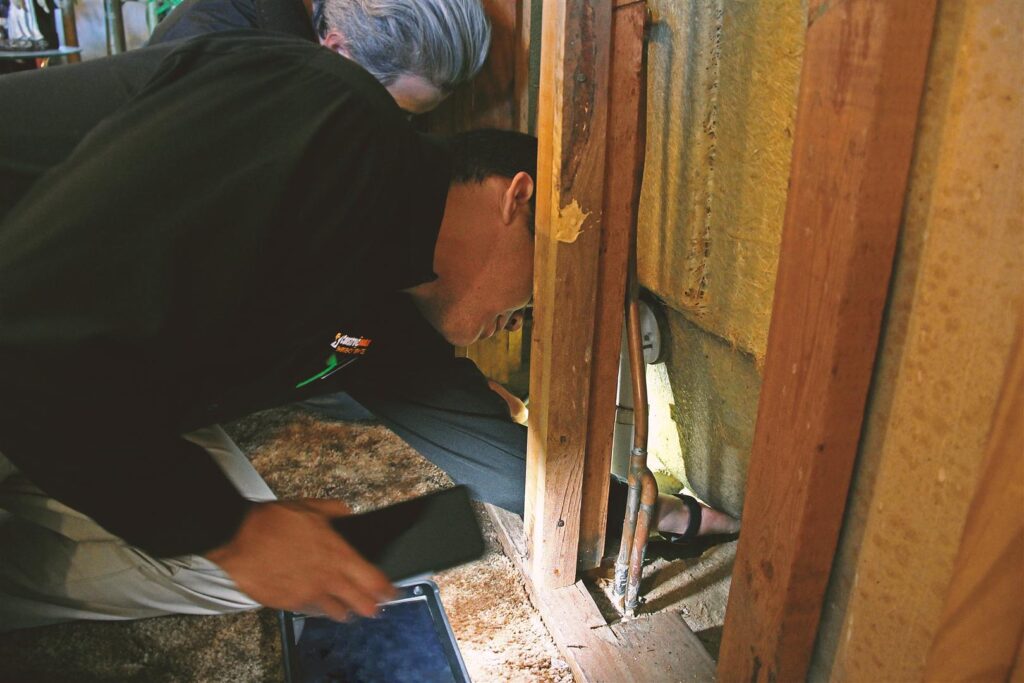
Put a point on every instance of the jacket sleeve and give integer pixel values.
(108, 459)
(161, 263)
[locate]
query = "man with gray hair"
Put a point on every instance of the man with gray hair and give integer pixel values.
(420, 50)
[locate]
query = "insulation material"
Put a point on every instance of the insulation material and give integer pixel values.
(703, 408)
(721, 103)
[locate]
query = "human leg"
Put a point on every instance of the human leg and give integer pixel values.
(451, 417)
(58, 564)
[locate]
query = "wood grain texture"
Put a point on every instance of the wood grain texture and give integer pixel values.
(658, 647)
(860, 92)
(982, 624)
(572, 117)
(624, 158)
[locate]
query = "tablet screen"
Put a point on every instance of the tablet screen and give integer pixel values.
(401, 644)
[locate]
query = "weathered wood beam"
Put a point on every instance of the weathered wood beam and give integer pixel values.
(624, 159)
(571, 127)
(860, 91)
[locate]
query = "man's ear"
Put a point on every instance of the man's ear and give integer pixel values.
(517, 196)
(335, 42)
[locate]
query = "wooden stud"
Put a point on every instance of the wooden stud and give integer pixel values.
(860, 91)
(658, 647)
(982, 627)
(624, 159)
(572, 116)
(522, 65)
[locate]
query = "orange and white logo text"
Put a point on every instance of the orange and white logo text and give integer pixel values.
(356, 346)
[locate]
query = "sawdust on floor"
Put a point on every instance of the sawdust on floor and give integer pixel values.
(500, 634)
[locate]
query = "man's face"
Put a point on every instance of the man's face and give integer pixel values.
(483, 259)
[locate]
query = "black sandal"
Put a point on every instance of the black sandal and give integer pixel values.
(692, 526)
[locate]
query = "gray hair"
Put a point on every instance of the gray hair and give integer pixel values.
(442, 41)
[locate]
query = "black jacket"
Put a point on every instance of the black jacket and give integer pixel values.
(198, 17)
(248, 216)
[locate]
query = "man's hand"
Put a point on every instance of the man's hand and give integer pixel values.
(517, 410)
(286, 555)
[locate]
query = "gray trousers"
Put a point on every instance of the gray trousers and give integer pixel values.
(57, 564)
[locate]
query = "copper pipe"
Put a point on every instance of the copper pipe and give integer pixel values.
(637, 464)
(648, 498)
(638, 454)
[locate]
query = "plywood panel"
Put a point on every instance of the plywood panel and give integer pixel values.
(724, 80)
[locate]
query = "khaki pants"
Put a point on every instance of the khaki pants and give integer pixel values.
(57, 565)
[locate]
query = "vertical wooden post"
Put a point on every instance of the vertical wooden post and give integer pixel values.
(524, 10)
(864, 66)
(624, 159)
(571, 128)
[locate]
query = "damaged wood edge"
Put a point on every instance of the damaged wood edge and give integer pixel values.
(654, 647)
(569, 225)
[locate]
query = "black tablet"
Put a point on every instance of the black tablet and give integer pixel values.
(410, 640)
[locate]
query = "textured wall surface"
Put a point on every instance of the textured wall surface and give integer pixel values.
(722, 85)
(722, 91)
(703, 408)
(957, 293)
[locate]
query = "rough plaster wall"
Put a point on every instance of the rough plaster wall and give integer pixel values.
(722, 85)
(957, 292)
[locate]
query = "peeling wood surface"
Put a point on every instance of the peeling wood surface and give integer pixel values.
(859, 98)
(658, 647)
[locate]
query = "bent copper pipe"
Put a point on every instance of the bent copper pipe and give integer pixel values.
(648, 498)
(638, 454)
(635, 515)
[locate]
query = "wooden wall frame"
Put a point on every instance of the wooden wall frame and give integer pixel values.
(860, 92)
(571, 130)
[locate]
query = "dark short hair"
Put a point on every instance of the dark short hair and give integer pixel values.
(478, 154)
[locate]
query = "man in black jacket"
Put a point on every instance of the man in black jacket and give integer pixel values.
(420, 50)
(303, 208)
(246, 221)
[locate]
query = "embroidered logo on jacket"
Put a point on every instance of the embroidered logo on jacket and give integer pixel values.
(355, 345)
(343, 343)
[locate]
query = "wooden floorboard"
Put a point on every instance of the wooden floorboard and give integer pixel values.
(651, 648)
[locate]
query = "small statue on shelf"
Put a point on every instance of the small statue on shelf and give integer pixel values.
(19, 27)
